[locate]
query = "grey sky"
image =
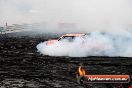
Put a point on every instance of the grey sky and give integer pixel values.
(85, 13)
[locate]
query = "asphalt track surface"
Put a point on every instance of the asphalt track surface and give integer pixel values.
(21, 66)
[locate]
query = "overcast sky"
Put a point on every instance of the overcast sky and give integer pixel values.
(83, 12)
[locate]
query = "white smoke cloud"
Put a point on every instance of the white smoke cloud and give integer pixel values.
(94, 44)
(89, 15)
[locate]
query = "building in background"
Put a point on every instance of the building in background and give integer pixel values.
(36, 26)
(14, 27)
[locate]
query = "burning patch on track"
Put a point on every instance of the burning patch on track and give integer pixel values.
(92, 44)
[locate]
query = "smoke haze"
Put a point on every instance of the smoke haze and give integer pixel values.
(76, 16)
(88, 15)
(94, 44)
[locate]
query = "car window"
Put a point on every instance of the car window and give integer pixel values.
(68, 38)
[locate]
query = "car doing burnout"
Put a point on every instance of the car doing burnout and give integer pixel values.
(68, 37)
(80, 39)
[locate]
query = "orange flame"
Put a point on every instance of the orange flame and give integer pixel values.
(81, 71)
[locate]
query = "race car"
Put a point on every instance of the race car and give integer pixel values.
(68, 37)
(81, 40)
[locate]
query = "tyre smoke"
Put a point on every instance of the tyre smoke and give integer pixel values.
(93, 44)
